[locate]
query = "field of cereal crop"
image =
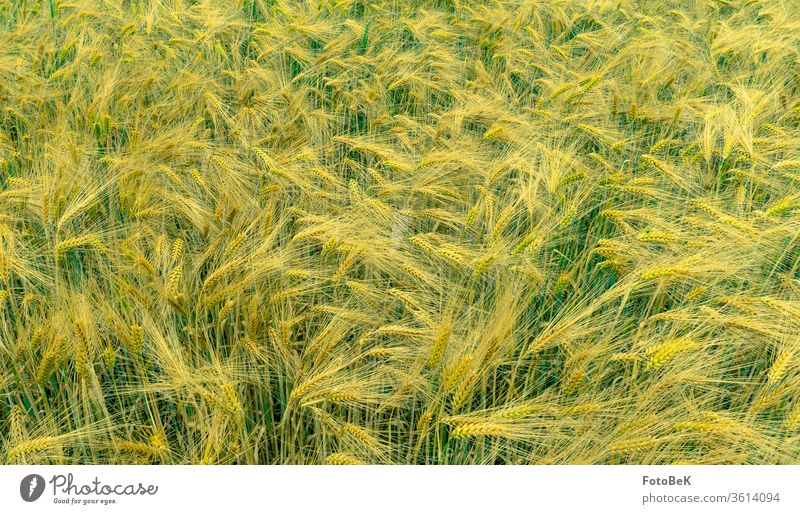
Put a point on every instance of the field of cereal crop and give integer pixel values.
(401, 231)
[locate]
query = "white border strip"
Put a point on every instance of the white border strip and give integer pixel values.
(379, 489)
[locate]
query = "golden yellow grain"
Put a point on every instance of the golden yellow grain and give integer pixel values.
(342, 459)
(661, 353)
(480, 429)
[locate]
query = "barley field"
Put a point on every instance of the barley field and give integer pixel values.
(399, 232)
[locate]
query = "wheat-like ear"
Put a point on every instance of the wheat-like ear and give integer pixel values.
(85, 241)
(136, 338)
(177, 250)
(443, 333)
(659, 354)
(27, 448)
(479, 429)
(339, 459)
(779, 365)
(173, 281)
(17, 427)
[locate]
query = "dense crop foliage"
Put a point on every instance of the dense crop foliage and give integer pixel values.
(559, 231)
